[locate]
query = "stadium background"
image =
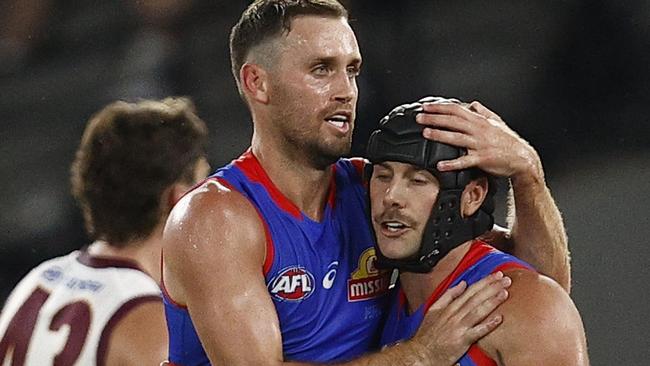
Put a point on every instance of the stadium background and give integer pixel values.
(571, 77)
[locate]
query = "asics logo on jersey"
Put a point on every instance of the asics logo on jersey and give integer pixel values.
(293, 283)
(328, 280)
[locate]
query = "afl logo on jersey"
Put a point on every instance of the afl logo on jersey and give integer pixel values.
(293, 283)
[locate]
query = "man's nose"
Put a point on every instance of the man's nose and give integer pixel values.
(346, 88)
(394, 195)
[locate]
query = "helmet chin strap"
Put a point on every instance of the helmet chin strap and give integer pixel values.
(399, 138)
(445, 230)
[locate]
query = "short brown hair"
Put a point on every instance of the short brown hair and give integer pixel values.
(129, 154)
(266, 19)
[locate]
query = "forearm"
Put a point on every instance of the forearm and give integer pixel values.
(537, 231)
(456, 320)
(408, 353)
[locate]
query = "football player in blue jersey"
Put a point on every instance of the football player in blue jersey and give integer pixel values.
(427, 223)
(272, 259)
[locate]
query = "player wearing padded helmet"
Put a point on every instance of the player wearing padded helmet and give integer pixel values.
(399, 139)
(426, 223)
(275, 247)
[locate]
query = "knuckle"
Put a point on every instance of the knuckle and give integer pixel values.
(434, 133)
(471, 307)
(454, 107)
(456, 319)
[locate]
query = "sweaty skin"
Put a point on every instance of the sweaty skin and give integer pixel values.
(215, 240)
(541, 324)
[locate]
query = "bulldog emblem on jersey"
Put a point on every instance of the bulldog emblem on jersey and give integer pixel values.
(293, 283)
(367, 282)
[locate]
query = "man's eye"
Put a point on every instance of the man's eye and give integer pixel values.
(321, 70)
(353, 71)
(420, 181)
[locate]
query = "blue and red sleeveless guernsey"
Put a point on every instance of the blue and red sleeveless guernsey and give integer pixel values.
(330, 299)
(480, 261)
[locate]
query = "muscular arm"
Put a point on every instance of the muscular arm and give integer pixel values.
(541, 326)
(140, 338)
(214, 247)
(537, 231)
(214, 254)
(534, 219)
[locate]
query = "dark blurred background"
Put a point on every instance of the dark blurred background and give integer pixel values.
(571, 77)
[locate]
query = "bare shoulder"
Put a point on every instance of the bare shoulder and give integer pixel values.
(532, 292)
(211, 202)
(541, 324)
(211, 226)
(214, 257)
(139, 337)
(211, 211)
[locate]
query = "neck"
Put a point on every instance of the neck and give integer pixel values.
(145, 253)
(304, 184)
(418, 287)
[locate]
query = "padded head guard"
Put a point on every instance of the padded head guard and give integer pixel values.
(399, 138)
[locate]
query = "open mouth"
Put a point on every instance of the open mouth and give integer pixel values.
(340, 120)
(393, 228)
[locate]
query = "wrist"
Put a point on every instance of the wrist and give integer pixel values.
(530, 173)
(421, 354)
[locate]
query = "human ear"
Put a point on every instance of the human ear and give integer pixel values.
(254, 80)
(473, 196)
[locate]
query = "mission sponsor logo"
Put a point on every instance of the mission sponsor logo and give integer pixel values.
(293, 283)
(367, 282)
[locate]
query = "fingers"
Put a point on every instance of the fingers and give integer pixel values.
(451, 109)
(454, 322)
(464, 162)
(483, 110)
(458, 118)
(449, 295)
(491, 145)
(484, 328)
(484, 302)
(481, 314)
(479, 292)
(446, 121)
(456, 291)
(455, 139)
(451, 138)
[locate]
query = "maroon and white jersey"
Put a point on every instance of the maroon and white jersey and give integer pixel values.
(62, 313)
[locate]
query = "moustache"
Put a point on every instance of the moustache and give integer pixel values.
(338, 108)
(394, 214)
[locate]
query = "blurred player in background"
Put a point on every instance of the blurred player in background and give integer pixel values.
(101, 305)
